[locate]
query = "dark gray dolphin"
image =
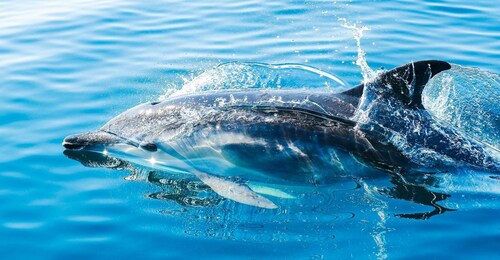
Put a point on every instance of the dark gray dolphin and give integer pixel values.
(298, 135)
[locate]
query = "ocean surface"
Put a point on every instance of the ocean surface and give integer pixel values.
(69, 66)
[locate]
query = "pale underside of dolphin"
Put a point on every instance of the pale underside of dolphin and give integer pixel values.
(289, 133)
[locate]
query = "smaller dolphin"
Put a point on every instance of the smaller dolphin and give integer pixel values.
(302, 136)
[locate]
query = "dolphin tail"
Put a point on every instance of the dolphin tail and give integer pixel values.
(407, 81)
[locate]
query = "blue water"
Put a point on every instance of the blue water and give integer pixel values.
(69, 66)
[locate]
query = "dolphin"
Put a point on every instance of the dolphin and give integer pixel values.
(229, 138)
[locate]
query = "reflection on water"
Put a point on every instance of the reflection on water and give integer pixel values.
(184, 192)
(405, 190)
(230, 220)
(187, 191)
(205, 214)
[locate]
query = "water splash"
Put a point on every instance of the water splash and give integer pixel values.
(473, 110)
(244, 75)
(357, 32)
(467, 98)
(369, 95)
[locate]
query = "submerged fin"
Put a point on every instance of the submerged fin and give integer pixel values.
(228, 189)
(407, 81)
(234, 191)
(270, 191)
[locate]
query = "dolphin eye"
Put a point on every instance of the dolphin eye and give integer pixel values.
(155, 103)
(148, 146)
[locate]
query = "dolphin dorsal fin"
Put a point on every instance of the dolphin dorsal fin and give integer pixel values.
(407, 81)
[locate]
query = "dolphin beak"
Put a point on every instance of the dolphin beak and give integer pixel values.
(77, 142)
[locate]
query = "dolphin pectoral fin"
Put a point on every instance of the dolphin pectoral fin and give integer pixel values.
(270, 191)
(235, 191)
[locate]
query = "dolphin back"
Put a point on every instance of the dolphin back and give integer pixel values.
(393, 103)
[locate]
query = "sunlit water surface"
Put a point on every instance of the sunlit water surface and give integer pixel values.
(69, 66)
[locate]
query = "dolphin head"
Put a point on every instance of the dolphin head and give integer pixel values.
(131, 127)
(90, 140)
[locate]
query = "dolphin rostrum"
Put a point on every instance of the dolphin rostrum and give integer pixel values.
(301, 135)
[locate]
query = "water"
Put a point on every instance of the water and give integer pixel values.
(69, 66)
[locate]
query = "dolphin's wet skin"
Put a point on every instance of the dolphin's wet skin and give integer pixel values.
(259, 146)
